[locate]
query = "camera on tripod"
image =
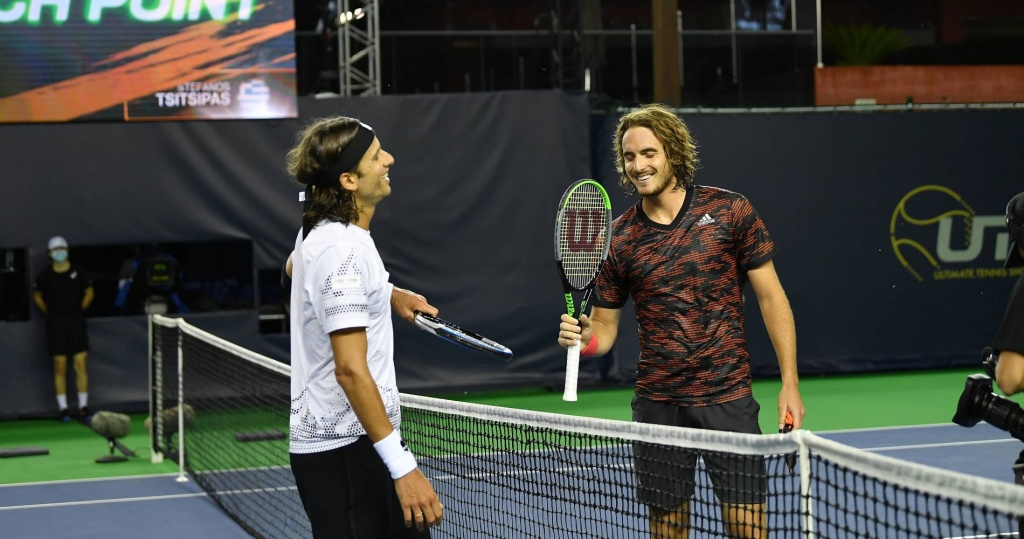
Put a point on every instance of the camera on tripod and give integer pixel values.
(979, 403)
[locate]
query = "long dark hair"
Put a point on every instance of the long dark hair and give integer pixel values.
(316, 149)
(680, 148)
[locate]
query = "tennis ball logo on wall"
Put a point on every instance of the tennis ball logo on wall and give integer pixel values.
(937, 235)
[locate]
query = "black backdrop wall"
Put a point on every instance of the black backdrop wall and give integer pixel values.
(475, 184)
(829, 187)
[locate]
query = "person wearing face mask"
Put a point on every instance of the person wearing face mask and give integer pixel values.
(63, 291)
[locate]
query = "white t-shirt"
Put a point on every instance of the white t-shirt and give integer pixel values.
(338, 282)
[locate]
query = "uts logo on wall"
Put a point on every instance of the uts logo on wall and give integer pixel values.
(937, 235)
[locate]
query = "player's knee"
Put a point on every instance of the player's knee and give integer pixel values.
(746, 521)
(670, 523)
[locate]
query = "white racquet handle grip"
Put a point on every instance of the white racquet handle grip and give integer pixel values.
(572, 371)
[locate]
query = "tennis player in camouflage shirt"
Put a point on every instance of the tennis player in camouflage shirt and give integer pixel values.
(684, 253)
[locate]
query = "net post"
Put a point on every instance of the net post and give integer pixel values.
(182, 478)
(156, 456)
(806, 507)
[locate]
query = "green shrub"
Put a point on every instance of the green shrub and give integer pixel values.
(862, 44)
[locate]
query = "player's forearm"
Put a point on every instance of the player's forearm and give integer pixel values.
(605, 336)
(87, 300)
(1010, 372)
(363, 395)
(353, 375)
(39, 302)
(604, 325)
(778, 319)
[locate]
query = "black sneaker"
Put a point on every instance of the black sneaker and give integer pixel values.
(85, 413)
(65, 416)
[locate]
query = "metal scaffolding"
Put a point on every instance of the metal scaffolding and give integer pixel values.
(359, 48)
(567, 59)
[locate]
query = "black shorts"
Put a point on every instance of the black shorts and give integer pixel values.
(348, 493)
(67, 335)
(665, 474)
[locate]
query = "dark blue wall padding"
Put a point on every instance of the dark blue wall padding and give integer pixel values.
(469, 224)
(475, 185)
(827, 185)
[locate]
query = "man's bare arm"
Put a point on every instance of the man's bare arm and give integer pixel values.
(778, 319)
(87, 299)
(353, 374)
(1010, 372)
(38, 298)
(415, 493)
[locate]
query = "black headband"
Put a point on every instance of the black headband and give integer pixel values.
(349, 157)
(346, 161)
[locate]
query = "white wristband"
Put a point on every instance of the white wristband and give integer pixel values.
(396, 455)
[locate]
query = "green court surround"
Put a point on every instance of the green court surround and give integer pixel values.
(839, 402)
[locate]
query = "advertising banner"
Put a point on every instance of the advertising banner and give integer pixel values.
(131, 60)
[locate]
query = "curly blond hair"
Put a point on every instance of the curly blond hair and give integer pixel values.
(680, 148)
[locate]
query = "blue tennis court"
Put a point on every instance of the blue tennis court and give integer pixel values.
(153, 506)
(162, 507)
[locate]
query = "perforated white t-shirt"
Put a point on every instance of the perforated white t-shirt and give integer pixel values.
(338, 282)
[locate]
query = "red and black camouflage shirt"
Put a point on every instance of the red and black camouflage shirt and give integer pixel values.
(686, 280)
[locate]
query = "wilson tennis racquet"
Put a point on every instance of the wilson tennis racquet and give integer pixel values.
(582, 237)
(452, 333)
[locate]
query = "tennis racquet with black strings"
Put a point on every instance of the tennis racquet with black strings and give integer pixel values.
(454, 334)
(582, 237)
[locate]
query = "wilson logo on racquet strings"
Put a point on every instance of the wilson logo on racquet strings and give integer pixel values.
(585, 230)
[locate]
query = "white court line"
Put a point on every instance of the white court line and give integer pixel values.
(148, 498)
(892, 427)
(517, 473)
(1004, 534)
(66, 481)
(254, 490)
(942, 444)
(110, 500)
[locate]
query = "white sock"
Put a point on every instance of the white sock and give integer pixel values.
(83, 398)
(62, 401)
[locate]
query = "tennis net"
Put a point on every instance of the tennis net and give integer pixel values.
(512, 473)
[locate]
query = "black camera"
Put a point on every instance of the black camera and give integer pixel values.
(979, 403)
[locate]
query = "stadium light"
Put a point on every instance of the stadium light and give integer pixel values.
(349, 16)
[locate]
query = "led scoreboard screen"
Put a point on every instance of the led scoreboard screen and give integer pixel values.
(137, 60)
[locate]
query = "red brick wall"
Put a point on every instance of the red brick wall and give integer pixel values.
(926, 84)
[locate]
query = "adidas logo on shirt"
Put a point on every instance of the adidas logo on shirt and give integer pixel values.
(706, 220)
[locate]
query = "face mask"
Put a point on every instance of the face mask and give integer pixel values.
(59, 256)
